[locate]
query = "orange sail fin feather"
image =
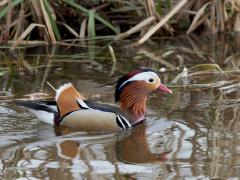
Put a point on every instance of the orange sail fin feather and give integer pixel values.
(69, 99)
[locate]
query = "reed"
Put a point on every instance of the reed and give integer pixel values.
(54, 21)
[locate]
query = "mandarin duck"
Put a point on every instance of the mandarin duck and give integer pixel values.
(71, 109)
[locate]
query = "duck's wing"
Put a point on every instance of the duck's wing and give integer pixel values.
(103, 116)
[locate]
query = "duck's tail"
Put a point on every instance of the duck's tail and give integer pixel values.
(45, 111)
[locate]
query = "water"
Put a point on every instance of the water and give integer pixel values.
(192, 134)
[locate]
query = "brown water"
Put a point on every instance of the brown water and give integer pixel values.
(194, 133)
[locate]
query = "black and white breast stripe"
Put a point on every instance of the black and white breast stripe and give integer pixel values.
(123, 122)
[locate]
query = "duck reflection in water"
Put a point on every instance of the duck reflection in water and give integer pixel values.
(135, 148)
(131, 147)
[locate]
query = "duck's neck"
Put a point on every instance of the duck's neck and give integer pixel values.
(135, 105)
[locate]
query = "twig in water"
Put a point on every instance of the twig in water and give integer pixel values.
(51, 86)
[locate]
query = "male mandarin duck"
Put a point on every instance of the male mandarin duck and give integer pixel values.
(71, 109)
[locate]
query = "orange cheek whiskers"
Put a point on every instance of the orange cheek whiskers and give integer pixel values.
(134, 99)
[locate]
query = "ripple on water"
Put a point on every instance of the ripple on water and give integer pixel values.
(192, 134)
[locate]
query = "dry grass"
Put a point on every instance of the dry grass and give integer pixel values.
(64, 19)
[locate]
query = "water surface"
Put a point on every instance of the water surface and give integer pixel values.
(194, 133)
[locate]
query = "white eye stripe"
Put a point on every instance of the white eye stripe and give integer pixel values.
(144, 76)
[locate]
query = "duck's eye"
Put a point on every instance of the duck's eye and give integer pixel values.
(151, 80)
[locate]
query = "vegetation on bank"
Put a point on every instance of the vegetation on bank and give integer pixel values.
(32, 21)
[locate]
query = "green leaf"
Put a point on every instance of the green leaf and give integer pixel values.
(207, 67)
(86, 11)
(4, 11)
(159, 8)
(52, 20)
(2, 73)
(91, 24)
(169, 3)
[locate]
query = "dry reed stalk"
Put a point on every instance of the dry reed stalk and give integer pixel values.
(37, 15)
(83, 28)
(220, 7)
(162, 22)
(9, 19)
(235, 4)
(102, 6)
(3, 2)
(27, 66)
(156, 58)
(27, 32)
(136, 28)
(26, 42)
(19, 22)
(186, 10)
(204, 19)
(213, 16)
(37, 11)
(48, 23)
(237, 23)
(197, 17)
(150, 7)
(71, 30)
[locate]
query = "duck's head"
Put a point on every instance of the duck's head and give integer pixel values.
(133, 88)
